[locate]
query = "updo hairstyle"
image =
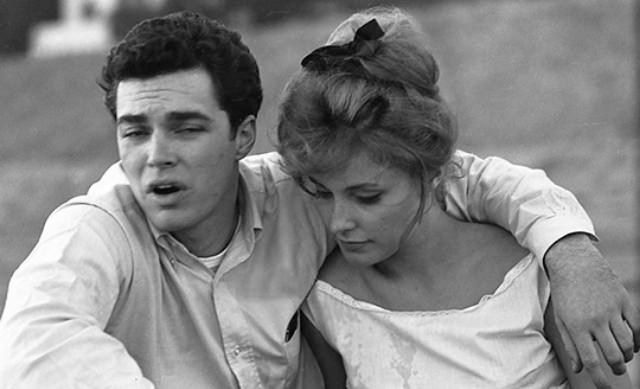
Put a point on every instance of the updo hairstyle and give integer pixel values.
(381, 98)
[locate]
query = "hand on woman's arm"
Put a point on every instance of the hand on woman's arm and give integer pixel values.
(593, 310)
(578, 380)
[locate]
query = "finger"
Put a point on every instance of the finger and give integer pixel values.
(587, 350)
(569, 346)
(632, 317)
(611, 350)
(623, 336)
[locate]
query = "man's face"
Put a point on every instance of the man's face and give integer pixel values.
(175, 144)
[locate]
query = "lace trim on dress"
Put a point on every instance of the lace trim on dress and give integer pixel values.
(347, 299)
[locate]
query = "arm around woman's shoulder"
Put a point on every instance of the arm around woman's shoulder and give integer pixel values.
(522, 200)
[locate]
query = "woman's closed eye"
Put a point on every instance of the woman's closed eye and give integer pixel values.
(369, 199)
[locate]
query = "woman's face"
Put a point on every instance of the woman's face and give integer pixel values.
(369, 208)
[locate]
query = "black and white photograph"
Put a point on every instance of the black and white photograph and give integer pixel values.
(319, 194)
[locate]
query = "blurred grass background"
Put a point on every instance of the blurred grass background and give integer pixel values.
(549, 84)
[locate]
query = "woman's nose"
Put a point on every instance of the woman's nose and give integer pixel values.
(341, 218)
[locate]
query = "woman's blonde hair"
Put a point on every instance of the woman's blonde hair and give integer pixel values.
(376, 95)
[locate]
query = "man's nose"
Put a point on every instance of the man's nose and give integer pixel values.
(160, 153)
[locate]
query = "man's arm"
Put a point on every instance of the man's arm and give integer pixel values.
(523, 201)
(576, 380)
(59, 301)
(590, 302)
(594, 314)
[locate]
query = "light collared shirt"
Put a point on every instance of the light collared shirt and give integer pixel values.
(106, 301)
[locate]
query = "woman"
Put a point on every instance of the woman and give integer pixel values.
(412, 296)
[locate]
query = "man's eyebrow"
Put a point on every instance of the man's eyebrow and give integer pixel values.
(187, 115)
(133, 119)
(171, 116)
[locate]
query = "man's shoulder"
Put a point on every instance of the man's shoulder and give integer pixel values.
(258, 163)
(110, 195)
(272, 190)
(264, 172)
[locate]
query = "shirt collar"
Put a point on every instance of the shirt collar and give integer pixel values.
(251, 217)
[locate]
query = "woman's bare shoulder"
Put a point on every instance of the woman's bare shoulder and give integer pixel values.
(490, 244)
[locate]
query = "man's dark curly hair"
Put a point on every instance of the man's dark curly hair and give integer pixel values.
(181, 41)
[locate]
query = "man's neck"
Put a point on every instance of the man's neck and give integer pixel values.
(213, 234)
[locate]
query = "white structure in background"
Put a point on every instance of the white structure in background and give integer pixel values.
(83, 27)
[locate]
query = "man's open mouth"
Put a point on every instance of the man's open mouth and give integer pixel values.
(165, 189)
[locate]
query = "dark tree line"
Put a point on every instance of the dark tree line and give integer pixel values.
(18, 16)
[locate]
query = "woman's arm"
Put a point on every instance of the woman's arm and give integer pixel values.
(580, 380)
(329, 360)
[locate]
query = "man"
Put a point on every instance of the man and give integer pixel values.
(185, 265)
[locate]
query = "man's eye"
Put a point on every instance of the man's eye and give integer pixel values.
(134, 133)
(189, 130)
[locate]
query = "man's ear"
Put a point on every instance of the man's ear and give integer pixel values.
(245, 137)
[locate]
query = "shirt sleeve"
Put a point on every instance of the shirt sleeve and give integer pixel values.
(521, 200)
(58, 303)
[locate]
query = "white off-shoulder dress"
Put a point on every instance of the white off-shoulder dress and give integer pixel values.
(497, 343)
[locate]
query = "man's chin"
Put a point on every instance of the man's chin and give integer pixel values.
(167, 221)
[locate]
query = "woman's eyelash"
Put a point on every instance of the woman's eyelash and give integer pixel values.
(369, 199)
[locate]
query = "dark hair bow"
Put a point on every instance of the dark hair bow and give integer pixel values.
(338, 56)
